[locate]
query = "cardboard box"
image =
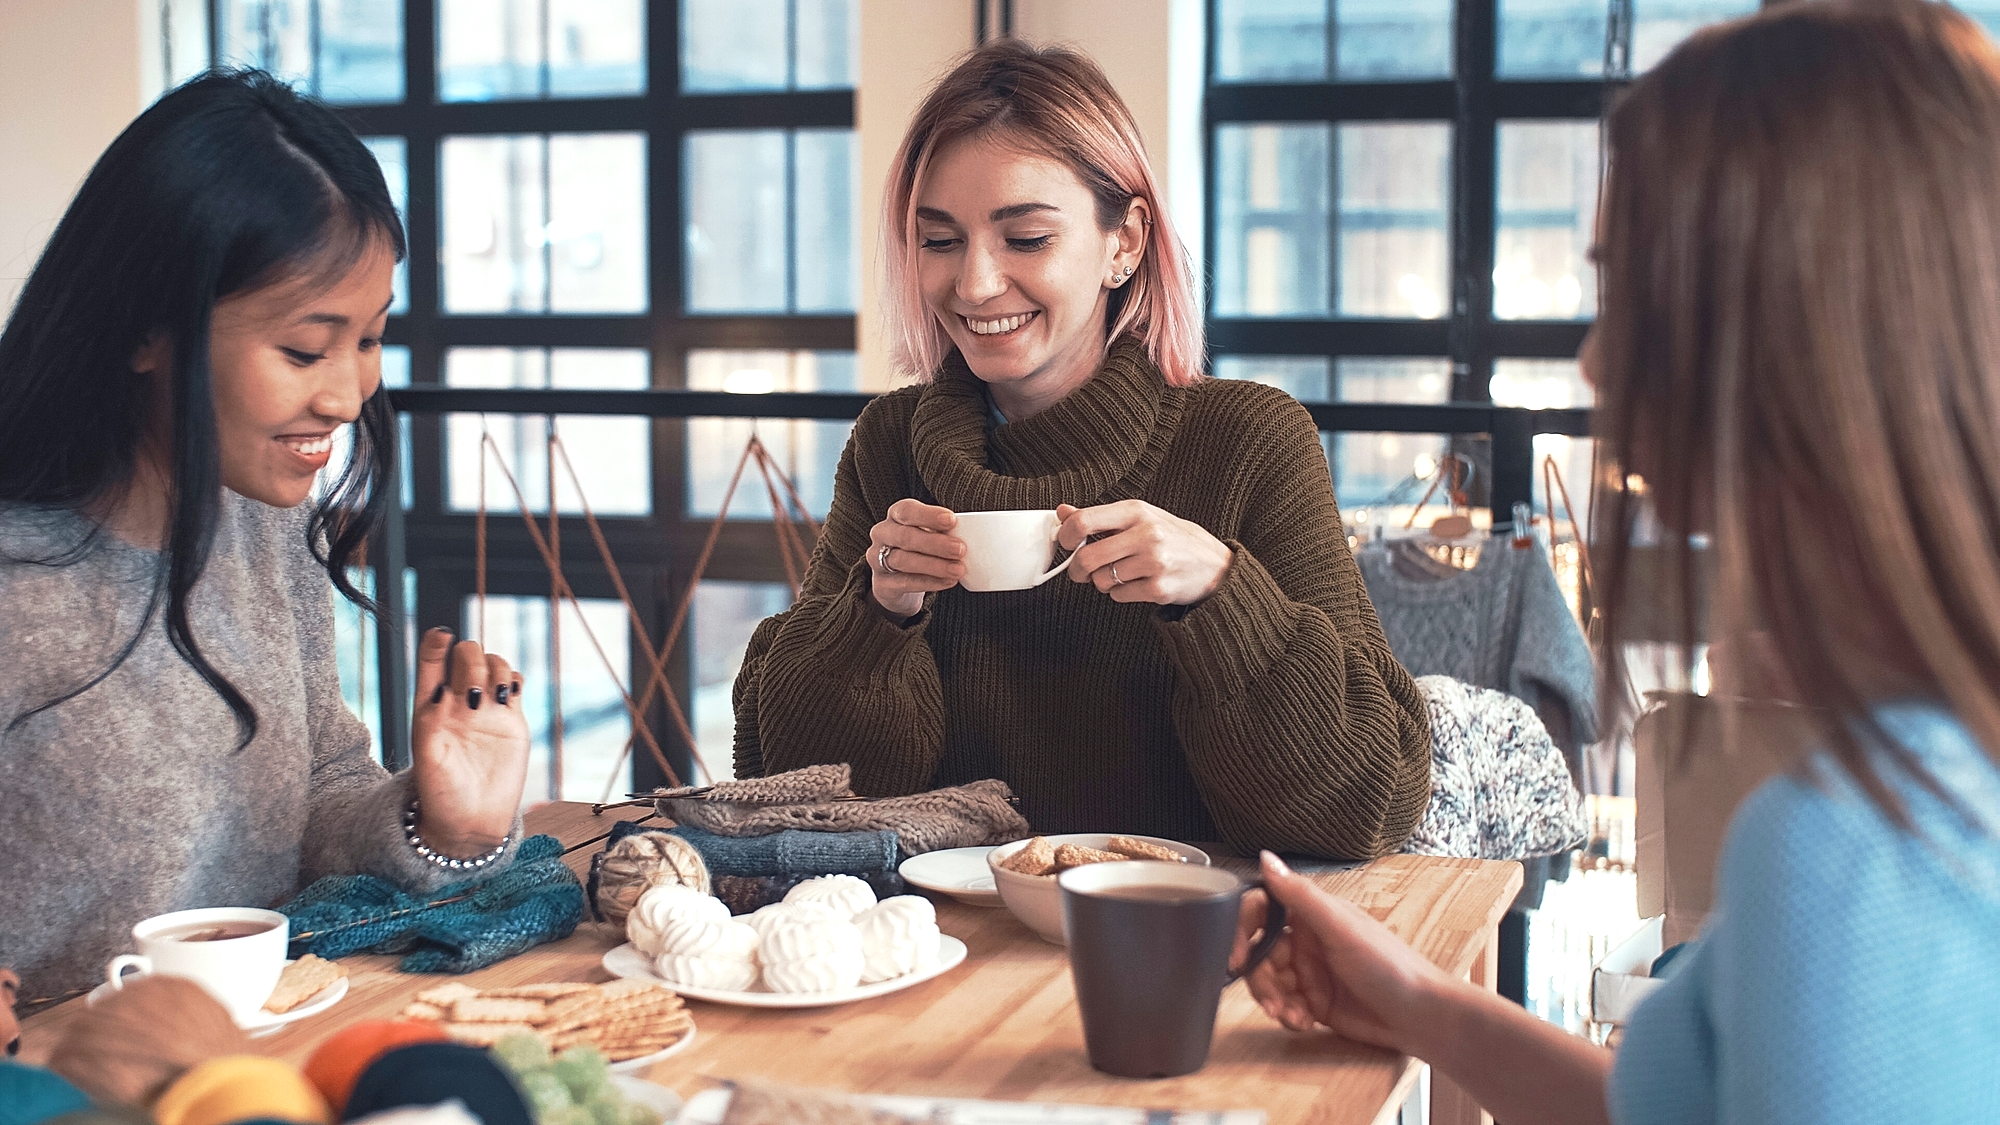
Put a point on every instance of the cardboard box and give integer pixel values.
(1624, 977)
(1689, 780)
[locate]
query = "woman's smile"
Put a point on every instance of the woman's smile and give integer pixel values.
(998, 326)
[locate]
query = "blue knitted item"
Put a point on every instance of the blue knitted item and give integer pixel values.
(29, 1094)
(793, 852)
(457, 928)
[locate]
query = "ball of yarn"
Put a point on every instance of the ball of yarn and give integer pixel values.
(424, 1074)
(241, 1088)
(338, 1063)
(638, 863)
(126, 1048)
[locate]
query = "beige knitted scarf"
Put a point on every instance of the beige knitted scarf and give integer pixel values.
(820, 799)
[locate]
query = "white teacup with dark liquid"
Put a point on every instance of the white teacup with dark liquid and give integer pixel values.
(236, 953)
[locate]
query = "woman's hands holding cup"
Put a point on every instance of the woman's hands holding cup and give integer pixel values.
(911, 553)
(468, 746)
(1147, 554)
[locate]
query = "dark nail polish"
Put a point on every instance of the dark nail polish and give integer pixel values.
(472, 698)
(438, 695)
(500, 694)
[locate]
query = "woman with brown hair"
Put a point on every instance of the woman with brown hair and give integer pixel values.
(1799, 354)
(1212, 669)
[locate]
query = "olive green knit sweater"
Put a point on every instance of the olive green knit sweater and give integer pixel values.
(1271, 715)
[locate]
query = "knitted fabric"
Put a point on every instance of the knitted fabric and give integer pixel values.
(965, 816)
(1499, 786)
(744, 894)
(782, 857)
(1847, 975)
(1502, 624)
(461, 927)
(30, 1095)
(1270, 715)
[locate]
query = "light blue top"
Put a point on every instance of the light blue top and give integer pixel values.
(1851, 973)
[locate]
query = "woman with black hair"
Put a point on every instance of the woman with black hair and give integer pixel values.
(206, 316)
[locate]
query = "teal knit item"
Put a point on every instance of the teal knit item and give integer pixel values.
(456, 929)
(29, 1095)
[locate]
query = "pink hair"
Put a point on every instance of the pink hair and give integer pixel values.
(1054, 102)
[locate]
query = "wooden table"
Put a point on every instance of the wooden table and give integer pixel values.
(1004, 1024)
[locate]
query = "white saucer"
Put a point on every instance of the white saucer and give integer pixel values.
(633, 1066)
(627, 961)
(265, 1023)
(959, 872)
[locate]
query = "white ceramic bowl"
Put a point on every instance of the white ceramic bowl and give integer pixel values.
(1036, 900)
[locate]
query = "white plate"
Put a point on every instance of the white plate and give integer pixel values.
(633, 1066)
(959, 872)
(626, 961)
(266, 1023)
(655, 1097)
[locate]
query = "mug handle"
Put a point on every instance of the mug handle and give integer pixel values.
(114, 973)
(1056, 548)
(1274, 928)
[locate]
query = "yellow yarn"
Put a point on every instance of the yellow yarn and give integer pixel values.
(641, 862)
(238, 1088)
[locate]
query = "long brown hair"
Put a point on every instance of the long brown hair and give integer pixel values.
(1799, 354)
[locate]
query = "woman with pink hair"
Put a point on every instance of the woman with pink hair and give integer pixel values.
(1212, 668)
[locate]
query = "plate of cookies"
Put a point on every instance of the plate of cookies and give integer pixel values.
(829, 942)
(1026, 870)
(635, 1023)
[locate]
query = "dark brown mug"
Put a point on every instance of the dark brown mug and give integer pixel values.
(1149, 946)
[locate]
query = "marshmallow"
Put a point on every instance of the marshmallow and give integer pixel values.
(898, 936)
(844, 893)
(706, 972)
(716, 941)
(813, 956)
(765, 919)
(661, 905)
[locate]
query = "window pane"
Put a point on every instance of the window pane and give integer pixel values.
(1304, 377)
(493, 208)
(1565, 38)
(359, 42)
(1271, 220)
(1987, 12)
(733, 45)
(1379, 40)
(1540, 384)
(597, 48)
(579, 247)
(1379, 470)
(596, 231)
(357, 657)
(725, 614)
(595, 722)
(1548, 206)
(1394, 379)
(612, 456)
(392, 154)
(824, 198)
(1395, 250)
(1270, 40)
(807, 450)
(489, 50)
(829, 44)
(735, 221)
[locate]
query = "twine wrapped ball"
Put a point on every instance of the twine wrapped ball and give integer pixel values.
(640, 862)
(127, 1047)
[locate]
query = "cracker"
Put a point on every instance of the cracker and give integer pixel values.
(1076, 855)
(418, 1010)
(1038, 858)
(446, 994)
(552, 991)
(483, 1034)
(302, 980)
(1140, 849)
(489, 1009)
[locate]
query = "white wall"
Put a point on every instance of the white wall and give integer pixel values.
(70, 79)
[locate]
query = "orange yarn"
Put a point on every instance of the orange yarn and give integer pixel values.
(337, 1065)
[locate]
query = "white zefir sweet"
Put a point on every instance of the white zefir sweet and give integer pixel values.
(765, 918)
(813, 956)
(844, 893)
(661, 905)
(703, 953)
(706, 972)
(898, 936)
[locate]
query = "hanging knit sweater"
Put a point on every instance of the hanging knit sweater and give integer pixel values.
(1271, 715)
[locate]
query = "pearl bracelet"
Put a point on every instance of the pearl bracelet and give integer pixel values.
(425, 850)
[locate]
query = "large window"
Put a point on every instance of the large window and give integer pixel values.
(600, 195)
(1401, 199)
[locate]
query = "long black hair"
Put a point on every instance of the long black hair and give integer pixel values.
(230, 183)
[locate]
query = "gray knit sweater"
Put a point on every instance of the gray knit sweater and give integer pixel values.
(132, 799)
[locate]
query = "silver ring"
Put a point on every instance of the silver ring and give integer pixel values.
(882, 560)
(1115, 580)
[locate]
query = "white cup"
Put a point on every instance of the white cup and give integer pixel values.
(1007, 550)
(240, 972)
